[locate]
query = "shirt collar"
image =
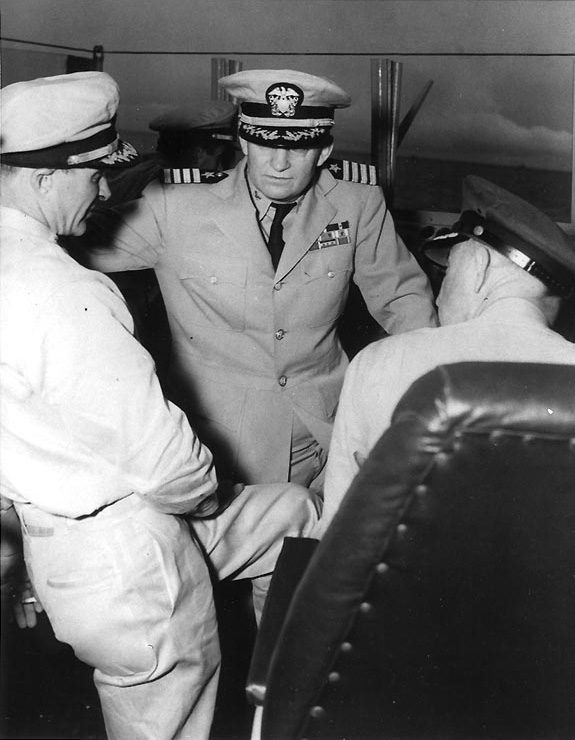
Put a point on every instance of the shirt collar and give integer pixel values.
(10, 218)
(513, 310)
(262, 203)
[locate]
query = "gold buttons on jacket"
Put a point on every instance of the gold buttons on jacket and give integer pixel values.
(283, 381)
(278, 286)
(280, 334)
(331, 274)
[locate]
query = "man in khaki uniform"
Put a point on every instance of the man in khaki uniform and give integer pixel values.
(256, 361)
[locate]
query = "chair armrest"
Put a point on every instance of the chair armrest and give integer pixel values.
(291, 564)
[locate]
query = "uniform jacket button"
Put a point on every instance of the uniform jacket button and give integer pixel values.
(280, 334)
(282, 381)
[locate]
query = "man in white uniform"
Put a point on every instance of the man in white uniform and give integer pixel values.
(97, 462)
(509, 266)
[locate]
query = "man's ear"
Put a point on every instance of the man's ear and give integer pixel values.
(42, 179)
(324, 154)
(481, 263)
(244, 145)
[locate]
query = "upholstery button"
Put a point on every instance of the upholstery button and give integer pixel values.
(282, 381)
(213, 279)
(278, 286)
(331, 274)
(345, 647)
(365, 608)
(280, 334)
(317, 712)
(334, 677)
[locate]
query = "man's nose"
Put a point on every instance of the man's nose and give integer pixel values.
(103, 189)
(280, 159)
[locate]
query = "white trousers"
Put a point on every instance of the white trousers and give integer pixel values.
(130, 591)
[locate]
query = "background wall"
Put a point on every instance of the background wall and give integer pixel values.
(499, 109)
(299, 25)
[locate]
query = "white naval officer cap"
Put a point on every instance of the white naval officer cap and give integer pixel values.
(65, 121)
(285, 108)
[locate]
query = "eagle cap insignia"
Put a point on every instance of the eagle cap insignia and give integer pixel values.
(283, 99)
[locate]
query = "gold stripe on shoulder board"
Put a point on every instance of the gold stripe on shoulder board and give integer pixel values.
(344, 169)
(189, 175)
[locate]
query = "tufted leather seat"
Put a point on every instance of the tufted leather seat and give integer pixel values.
(441, 601)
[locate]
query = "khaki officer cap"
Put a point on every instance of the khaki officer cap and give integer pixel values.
(512, 226)
(285, 108)
(214, 118)
(63, 122)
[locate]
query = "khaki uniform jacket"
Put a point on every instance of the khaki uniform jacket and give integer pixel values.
(250, 347)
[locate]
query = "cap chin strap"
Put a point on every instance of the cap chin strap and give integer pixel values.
(103, 151)
(69, 153)
(276, 122)
(494, 235)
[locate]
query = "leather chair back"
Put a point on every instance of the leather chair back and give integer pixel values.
(441, 601)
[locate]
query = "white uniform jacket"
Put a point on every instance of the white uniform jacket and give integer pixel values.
(510, 330)
(252, 347)
(80, 399)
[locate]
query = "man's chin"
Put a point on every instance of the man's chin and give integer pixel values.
(280, 195)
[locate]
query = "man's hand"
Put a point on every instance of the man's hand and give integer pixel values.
(219, 501)
(26, 605)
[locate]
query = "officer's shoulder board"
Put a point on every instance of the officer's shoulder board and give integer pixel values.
(186, 176)
(343, 169)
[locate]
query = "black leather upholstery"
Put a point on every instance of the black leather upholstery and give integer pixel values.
(441, 601)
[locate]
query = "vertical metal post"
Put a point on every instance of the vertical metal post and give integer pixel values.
(573, 156)
(378, 100)
(385, 103)
(220, 68)
(98, 57)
